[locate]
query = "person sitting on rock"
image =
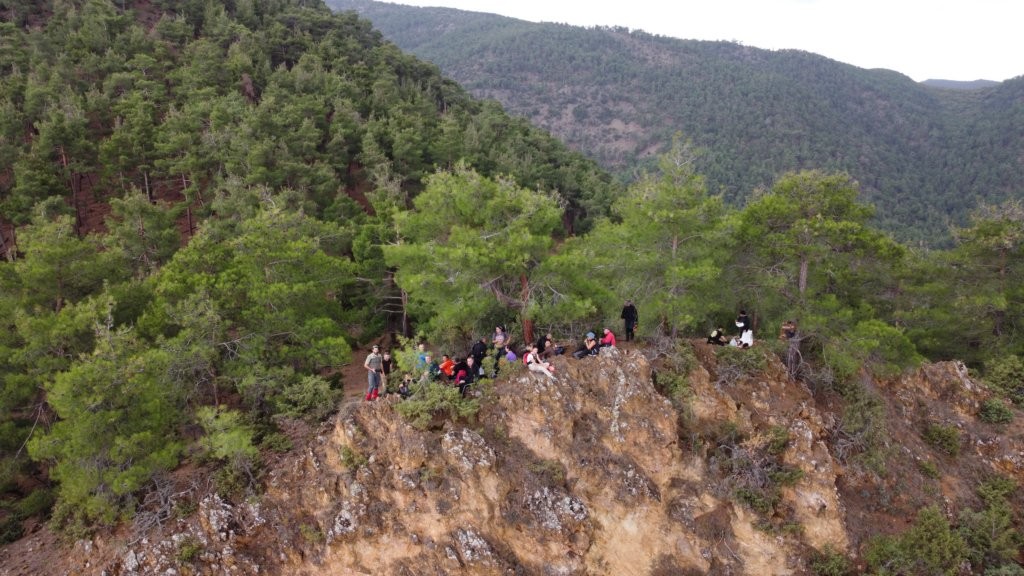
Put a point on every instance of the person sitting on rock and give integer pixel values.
(447, 367)
(589, 348)
(608, 340)
(717, 337)
(405, 387)
(465, 376)
(550, 348)
(745, 340)
(788, 330)
(535, 364)
(432, 371)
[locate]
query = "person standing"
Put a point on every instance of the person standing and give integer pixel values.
(477, 352)
(743, 322)
(631, 318)
(387, 366)
(374, 368)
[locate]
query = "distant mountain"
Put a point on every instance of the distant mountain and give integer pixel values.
(924, 156)
(960, 84)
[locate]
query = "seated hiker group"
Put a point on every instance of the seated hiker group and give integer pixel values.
(745, 338)
(463, 371)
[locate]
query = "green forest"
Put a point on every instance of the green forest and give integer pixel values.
(207, 205)
(925, 157)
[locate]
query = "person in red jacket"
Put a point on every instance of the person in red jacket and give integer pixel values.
(608, 339)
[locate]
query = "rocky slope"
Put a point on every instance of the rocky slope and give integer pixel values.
(595, 472)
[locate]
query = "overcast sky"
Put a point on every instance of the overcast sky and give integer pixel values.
(947, 39)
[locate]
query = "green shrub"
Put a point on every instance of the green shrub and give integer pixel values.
(675, 387)
(928, 468)
(1010, 569)
(185, 508)
(994, 411)
(996, 489)
(37, 503)
(551, 470)
(733, 363)
(188, 550)
(862, 433)
(228, 437)
(943, 438)
(929, 548)
(352, 459)
(10, 529)
(760, 501)
(829, 562)
(991, 537)
(312, 534)
(1006, 374)
(435, 398)
(786, 476)
(234, 480)
(276, 442)
(778, 440)
(311, 399)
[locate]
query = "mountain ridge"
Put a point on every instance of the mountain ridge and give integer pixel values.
(925, 156)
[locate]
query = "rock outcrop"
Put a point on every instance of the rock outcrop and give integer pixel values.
(593, 472)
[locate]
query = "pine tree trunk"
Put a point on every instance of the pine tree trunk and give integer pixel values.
(803, 276)
(527, 322)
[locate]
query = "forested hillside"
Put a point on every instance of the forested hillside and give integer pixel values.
(924, 156)
(209, 205)
(193, 199)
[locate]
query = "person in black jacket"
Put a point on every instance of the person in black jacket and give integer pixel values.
(743, 322)
(478, 351)
(631, 317)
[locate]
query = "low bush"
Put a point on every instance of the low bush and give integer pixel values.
(861, 435)
(995, 411)
(1006, 374)
(311, 399)
(829, 562)
(735, 363)
(188, 550)
(929, 548)
(946, 439)
(433, 399)
(929, 469)
(991, 537)
(351, 459)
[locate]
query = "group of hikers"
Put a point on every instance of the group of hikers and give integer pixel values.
(745, 339)
(463, 371)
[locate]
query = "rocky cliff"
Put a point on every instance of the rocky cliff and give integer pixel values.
(596, 472)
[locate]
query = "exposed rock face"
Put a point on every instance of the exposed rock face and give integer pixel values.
(591, 473)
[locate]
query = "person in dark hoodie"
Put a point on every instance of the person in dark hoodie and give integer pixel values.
(630, 317)
(478, 351)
